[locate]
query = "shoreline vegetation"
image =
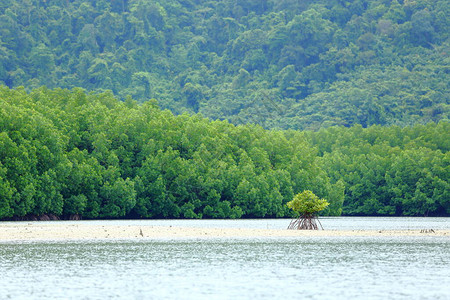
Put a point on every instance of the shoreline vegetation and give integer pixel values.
(60, 231)
(223, 109)
(66, 153)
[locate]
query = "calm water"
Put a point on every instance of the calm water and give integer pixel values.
(281, 268)
(332, 223)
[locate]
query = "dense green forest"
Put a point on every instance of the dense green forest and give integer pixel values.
(283, 64)
(223, 109)
(67, 153)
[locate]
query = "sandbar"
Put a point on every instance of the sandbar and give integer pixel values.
(30, 231)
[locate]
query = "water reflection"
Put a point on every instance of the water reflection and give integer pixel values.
(313, 268)
(330, 223)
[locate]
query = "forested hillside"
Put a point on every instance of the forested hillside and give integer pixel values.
(284, 64)
(67, 153)
(223, 109)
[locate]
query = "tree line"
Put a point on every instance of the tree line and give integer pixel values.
(280, 64)
(388, 170)
(74, 153)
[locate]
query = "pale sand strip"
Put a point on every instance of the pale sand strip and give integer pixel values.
(61, 231)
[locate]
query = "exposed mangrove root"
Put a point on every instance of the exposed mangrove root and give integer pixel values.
(75, 217)
(44, 217)
(305, 222)
(427, 231)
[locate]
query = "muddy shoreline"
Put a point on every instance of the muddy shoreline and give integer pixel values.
(60, 231)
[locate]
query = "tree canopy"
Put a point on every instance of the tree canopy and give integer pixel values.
(306, 203)
(69, 152)
(222, 109)
(279, 64)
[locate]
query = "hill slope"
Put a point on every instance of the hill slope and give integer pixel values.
(281, 64)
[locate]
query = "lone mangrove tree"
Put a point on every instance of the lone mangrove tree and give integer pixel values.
(307, 204)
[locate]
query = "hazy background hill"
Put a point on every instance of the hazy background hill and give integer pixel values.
(281, 64)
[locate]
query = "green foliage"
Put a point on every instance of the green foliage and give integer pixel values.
(279, 64)
(363, 77)
(72, 153)
(68, 152)
(388, 170)
(306, 203)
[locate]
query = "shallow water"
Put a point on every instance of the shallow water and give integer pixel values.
(330, 223)
(240, 268)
